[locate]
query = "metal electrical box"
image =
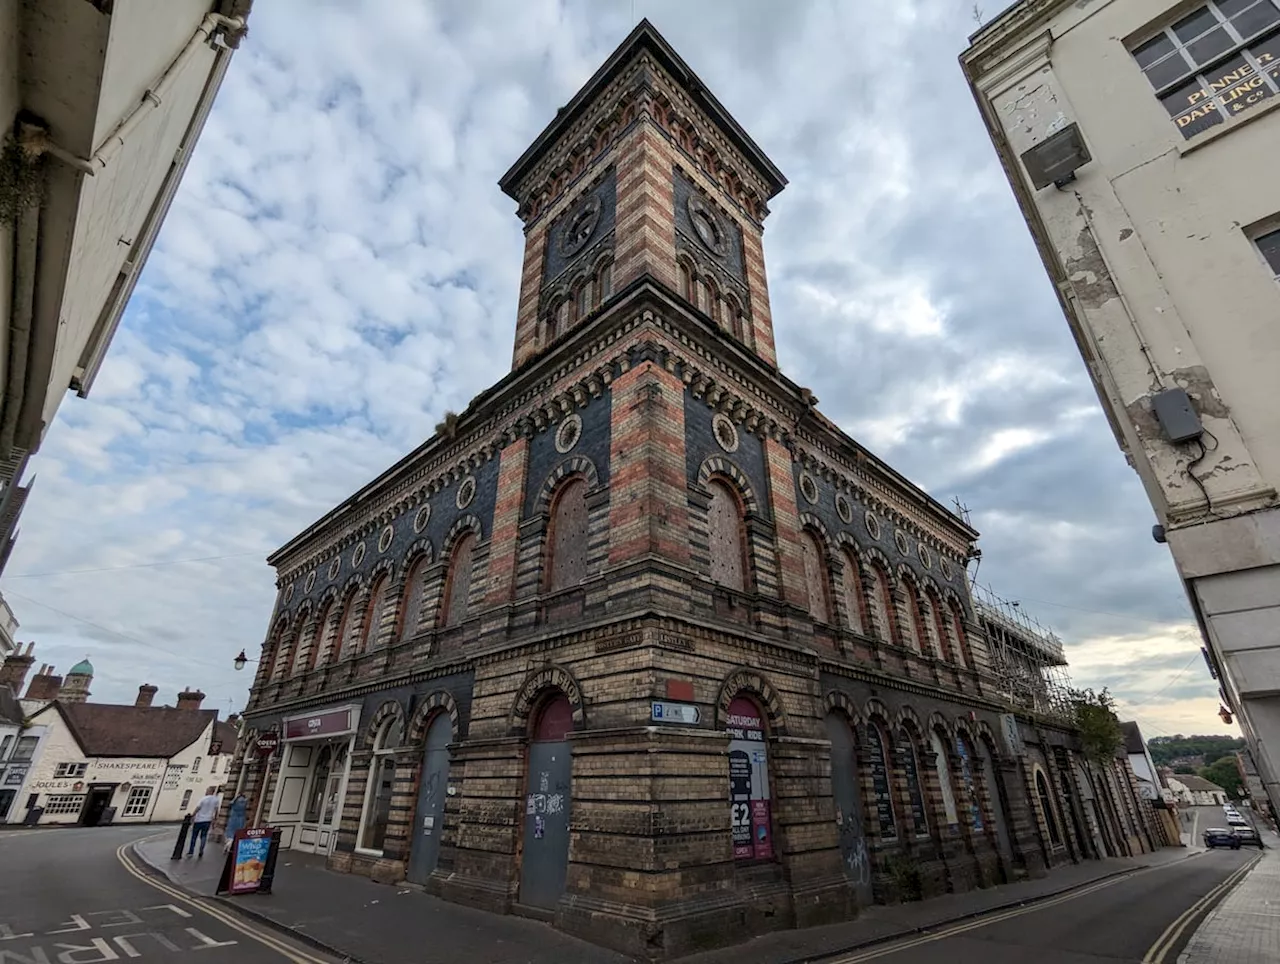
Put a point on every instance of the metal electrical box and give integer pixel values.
(1177, 416)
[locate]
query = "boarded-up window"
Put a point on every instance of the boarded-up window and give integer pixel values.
(940, 627)
(458, 582)
(881, 604)
(411, 610)
(373, 614)
(567, 560)
(724, 524)
(604, 281)
(317, 656)
(851, 584)
(815, 576)
(342, 642)
(917, 637)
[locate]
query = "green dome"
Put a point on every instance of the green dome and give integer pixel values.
(82, 668)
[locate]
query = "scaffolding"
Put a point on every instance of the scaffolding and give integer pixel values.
(1027, 659)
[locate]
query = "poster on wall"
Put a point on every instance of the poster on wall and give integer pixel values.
(879, 765)
(750, 815)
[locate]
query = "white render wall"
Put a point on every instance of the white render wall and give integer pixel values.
(1150, 248)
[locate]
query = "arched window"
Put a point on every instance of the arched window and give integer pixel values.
(943, 768)
(815, 575)
(411, 605)
(378, 792)
(724, 537)
(563, 318)
(373, 615)
(457, 584)
(964, 751)
(851, 585)
(585, 300)
(911, 774)
(940, 626)
(315, 652)
(279, 654)
(917, 638)
(882, 605)
(713, 305)
(566, 564)
(881, 781)
(604, 282)
(1046, 806)
(342, 641)
(686, 281)
(963, 656)
(733, 318)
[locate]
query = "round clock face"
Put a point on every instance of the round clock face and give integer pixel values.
(580, 227)
(707, 226)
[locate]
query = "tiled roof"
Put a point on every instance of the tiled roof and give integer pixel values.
(1132, 738)
(226, 733)
(1196, 783)
(145, 731)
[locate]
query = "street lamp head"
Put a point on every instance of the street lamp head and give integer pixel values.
(241, 660)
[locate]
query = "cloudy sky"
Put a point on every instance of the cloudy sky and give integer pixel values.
(340, 268)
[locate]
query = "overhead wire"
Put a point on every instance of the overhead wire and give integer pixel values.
(138, 565)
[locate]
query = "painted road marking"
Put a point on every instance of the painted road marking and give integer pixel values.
(1156, 953)
(995, 918)
(262, 937)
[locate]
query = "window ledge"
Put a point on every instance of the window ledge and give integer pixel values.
(1211, 135)
(366, 852)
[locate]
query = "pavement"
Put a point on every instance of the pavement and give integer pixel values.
(399, 925)
(1245, 927)
(72, 896)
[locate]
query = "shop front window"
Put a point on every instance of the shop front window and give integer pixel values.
(382, 777)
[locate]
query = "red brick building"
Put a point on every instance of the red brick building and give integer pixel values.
(640, 641)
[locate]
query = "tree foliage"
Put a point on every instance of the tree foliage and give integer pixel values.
(1224, 773)
(1100, 735)
(1167, 748)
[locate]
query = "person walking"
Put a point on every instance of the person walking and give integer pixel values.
(237, 817)
(205, 813)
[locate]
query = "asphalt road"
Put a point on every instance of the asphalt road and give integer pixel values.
(1131, 919)
(66, 897)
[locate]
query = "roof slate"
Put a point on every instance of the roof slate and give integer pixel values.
(104, 729)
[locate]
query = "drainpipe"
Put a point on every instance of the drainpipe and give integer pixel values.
(26, 236)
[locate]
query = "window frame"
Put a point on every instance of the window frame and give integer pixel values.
(69, 770)
(1199, 71)
(30, 743)
(135, 805)
(1255, 239)
(64, 804)
(382, 755)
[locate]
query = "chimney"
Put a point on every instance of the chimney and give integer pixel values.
(190, 699)
(16, 666)
(233, 720)
(146, 693)
(44, 685)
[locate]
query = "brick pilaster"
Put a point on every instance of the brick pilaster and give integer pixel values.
(535, 246)
(505, 537)
(786, 520)
(648, 511)
(761, 316)
(645, 230)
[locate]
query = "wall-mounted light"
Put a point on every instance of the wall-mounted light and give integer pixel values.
(1056, 159)
(240, 660)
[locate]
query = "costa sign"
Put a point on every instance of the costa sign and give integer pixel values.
(329, 723)
(267, 743)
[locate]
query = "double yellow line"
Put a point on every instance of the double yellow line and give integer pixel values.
(1166, 941)
(280, 947)
(872, 953)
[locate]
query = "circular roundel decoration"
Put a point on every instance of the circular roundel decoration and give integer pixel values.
(844, 508)
(466, 492)
(288, 594)
(926, 557)
(580, 226)
(707, 226)
(422, 518)
(900, 540)
(568, 433)
(335, 566)
(357, 557)
(808, 487)
(873, 524)
(947, 569)
(310, 582)
(384, 540)
(725, 431)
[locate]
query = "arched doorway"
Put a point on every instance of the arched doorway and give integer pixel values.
(848, 801)
(429, 817)
(544, 864)
(999, 806)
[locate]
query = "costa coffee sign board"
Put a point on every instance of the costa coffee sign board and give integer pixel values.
(267, 743)
(326, 723)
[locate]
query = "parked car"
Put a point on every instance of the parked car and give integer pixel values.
(1221, 837)
(1248, 835)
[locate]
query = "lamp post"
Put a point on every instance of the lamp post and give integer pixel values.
(240, 660)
